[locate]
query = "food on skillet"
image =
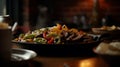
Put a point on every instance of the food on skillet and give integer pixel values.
(108, 48)
(110, 28)
(105, 29)
(58, 34)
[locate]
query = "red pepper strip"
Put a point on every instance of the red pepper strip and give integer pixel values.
(51, 40)
(45, 36)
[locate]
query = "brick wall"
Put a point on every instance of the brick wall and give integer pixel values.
(68, 8)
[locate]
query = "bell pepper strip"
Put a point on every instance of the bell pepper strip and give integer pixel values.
(51, 40)
(29, 40)
(51, 34)
(30, 36)
(57, 40)
(21, 35)
(64, 27)
(40, 40)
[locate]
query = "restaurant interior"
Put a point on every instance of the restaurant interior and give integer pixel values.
(59, 33)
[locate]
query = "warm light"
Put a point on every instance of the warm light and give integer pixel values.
(87, 63)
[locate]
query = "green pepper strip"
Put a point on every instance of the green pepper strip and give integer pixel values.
(41, 40)
(57, 40)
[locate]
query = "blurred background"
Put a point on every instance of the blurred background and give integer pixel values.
(41, 13)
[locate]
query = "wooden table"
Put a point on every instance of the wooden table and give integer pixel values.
(71, 62)
(81, 61)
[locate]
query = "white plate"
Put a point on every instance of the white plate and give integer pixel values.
(19, 54)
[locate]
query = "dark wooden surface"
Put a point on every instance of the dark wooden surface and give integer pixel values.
(71, 62)
(79, 61)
